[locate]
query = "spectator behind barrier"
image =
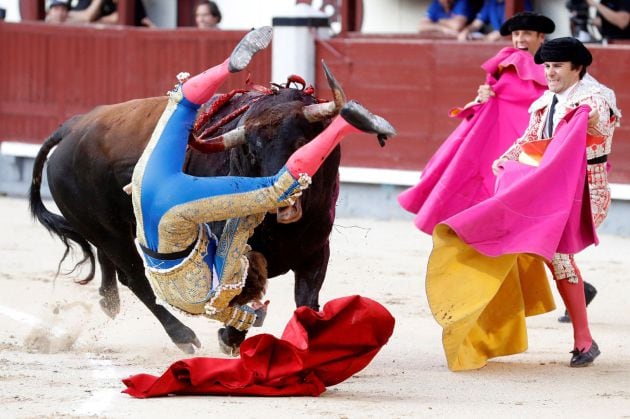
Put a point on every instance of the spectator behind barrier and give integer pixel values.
(207, 15)
(613, 18)
(105, 11)
(447, 17)
(488, 21)
(58, 11)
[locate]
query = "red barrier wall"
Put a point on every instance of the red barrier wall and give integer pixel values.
(415, 82)
(50, 72)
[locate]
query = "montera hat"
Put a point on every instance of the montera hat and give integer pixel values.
(527, 21)
(563, 49)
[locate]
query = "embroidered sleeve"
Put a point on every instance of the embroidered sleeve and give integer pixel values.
(600, 125)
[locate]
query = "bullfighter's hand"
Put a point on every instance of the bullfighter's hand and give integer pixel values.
(484, 92)
(261, 312)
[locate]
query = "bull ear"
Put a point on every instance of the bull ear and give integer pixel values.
(223, 142)
(321, 111)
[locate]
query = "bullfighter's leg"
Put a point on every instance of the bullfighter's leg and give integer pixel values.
(158, 173)
(599, 194)
(589, 294)
(353, 118)
(571, 288)
(200, 88)
(167, 154)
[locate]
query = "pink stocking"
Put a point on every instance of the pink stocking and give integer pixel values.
(308, 158)
(573, 297)
(200, 88)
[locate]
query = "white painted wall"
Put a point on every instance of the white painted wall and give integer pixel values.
(381, 16)
(13, 10)
(556, 11)
(162, 12)
(246, 14)
(393, 16)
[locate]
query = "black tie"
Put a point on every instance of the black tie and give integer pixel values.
(550, 119)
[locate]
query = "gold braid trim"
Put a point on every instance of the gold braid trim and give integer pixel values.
(232, 249)
(175, 97)
(188, 285)
(238, 317)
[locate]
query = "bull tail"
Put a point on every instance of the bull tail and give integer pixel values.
(57, 224)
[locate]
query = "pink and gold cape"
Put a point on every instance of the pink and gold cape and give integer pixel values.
(486, 271)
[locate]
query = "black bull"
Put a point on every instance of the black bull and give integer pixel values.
(95, 157)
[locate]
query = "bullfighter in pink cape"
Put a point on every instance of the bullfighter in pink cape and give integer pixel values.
(486, 270)
(459, 175)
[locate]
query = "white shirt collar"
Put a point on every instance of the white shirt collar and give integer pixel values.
(562, 97)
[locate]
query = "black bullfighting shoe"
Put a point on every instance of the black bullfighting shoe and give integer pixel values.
(581, 358)
(589, 293)
(256, 40)
(356, 115)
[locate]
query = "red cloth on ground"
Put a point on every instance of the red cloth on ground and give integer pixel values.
(317, 349)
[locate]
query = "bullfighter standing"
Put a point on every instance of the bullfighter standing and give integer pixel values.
(486, 272)
(459, 175)
(187, 266)
(565, 61)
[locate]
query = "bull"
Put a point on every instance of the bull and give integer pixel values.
(94, 160)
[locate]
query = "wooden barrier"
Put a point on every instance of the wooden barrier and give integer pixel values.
(415, 82)
(51, 72)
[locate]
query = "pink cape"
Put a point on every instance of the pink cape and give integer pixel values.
(540, 210)
(459, 175)
(317, 349)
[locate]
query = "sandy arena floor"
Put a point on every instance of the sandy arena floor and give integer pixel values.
(61, 356)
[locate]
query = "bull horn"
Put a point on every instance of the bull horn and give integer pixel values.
(321, 111)
(223, 142)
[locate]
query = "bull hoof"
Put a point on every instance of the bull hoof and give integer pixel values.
(111, 307)
(189, 348)
(183, 337)
(230, 340)
(110, 303)
(233, 351)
